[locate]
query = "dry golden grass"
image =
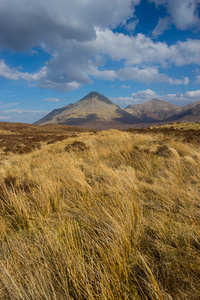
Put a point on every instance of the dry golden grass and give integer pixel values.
(184, 126)
(106, 215)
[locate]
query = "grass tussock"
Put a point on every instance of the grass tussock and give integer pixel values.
(110, 215)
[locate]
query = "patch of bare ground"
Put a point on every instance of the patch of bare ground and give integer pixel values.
(104, 215)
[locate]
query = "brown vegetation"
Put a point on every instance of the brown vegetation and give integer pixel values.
(110, 215)
(24, 138)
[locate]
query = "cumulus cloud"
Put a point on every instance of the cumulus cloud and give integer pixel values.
(15, 74)
(145, 94)
(49, 21)
(148, 94)
(148, 75)
(62, 29)
(184, 13)
(79, 38)
(6, 72)
(136, 98)
(142, 49)
(192, 94)
(71, 66)
(197, 81)
(163, 24)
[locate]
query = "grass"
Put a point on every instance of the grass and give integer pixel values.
(184, 126)
(104, 215)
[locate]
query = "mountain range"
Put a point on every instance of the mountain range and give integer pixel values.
(159, 110)
(98, 112)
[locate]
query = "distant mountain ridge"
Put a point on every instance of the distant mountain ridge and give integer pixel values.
(160, 110)
(153, 109)
(189, 115)
(98, 112)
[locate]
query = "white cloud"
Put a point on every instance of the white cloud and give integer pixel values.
(136, 98)
(59, 86)
(80, 31)
(3, 118)
(141, 49)
(197, 70)
(6, 72)
(192, 94)
(125, 86)
(68, 69)
(132, 25)
(197, 81)
(51, 99)
(187, 97)
(148, 94)
(148, 75)
(163, 24)
(63, 29)
(184, 13)
(186, 81)
(14, 74)
(144, 95)
(21, 111)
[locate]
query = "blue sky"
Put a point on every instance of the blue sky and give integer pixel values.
(53, 53)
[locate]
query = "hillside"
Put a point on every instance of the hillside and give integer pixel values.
(189, 115)
(100, 215)
(92, 111)
(152, 110)
(191, 105)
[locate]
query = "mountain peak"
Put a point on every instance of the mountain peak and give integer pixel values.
(93, 110)
(153, 109)
(97, 96)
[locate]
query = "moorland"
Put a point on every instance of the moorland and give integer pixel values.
(99, 214)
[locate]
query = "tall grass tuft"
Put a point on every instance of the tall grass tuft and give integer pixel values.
(110, 215)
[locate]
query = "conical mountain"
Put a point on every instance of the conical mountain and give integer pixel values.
(153, 109)
(92, 111)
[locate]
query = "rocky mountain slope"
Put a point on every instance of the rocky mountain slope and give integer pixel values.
(92, 111)
(153, 109)
(98, 112)
(189, 115)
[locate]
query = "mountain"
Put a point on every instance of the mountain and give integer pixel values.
(191, 105)
(152, 110)
(92, 111)
(190, 115)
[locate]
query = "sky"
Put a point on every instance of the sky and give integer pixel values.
(54, 52)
